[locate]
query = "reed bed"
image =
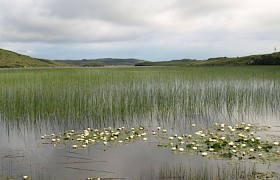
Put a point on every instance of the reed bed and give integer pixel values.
(204, 172)
(126, 96)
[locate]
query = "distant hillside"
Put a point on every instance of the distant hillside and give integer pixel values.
(182, 62)
(102, 62)
(10, 59)
(264, 59)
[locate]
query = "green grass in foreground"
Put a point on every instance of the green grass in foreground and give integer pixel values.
(125, 95)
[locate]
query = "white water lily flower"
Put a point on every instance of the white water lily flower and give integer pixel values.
(204, 154)
(159, 128)
(171, 138)
(234, 151)
(259, 147)
(252, 150)
(164, 130)
(53, 140)
(222, 125)
(231, 143)
(173, 148)
(145, 139)
(276, 143)
(120, 141)
(42, 137)
(105, 143)
(243, 145)
(223, 138)
(180, 138)
(194, 148)
(193, 125)
(181, 149)
(74, 146)
(211, 149)
(25, 177)
(154, 133)
(260, 154)
(241, 135)
(247, 128)
(212, 140)
(84, 145)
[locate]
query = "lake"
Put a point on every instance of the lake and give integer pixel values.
(180, 100)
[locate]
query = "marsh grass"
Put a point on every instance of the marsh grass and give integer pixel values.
(127, 96)
(217, 172)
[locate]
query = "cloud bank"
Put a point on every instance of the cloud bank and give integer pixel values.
(152, 30)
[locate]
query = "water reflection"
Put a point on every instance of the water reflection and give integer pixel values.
(26, 154)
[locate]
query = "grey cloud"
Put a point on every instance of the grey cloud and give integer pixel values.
(127, 12)
(173, 25)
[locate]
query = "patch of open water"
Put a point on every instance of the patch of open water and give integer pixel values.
(23, 152)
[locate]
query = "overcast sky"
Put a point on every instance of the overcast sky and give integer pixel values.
(144, 29)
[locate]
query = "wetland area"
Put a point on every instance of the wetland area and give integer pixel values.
(140, 123)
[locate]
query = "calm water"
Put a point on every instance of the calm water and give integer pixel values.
(23, 152)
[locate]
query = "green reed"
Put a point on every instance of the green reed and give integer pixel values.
(103, 96)
(218, 171)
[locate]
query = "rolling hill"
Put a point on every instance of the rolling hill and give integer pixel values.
(102, 62)
(263, 59)
(10, 59)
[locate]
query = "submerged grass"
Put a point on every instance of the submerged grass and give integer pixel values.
(218, 172)
(121, 96)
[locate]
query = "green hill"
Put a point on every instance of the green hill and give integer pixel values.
(182, 62)
(10, 59)
(102, 62)
(263, 59)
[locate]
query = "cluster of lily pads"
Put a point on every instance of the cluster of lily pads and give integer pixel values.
(107, 136)
(241, 141)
